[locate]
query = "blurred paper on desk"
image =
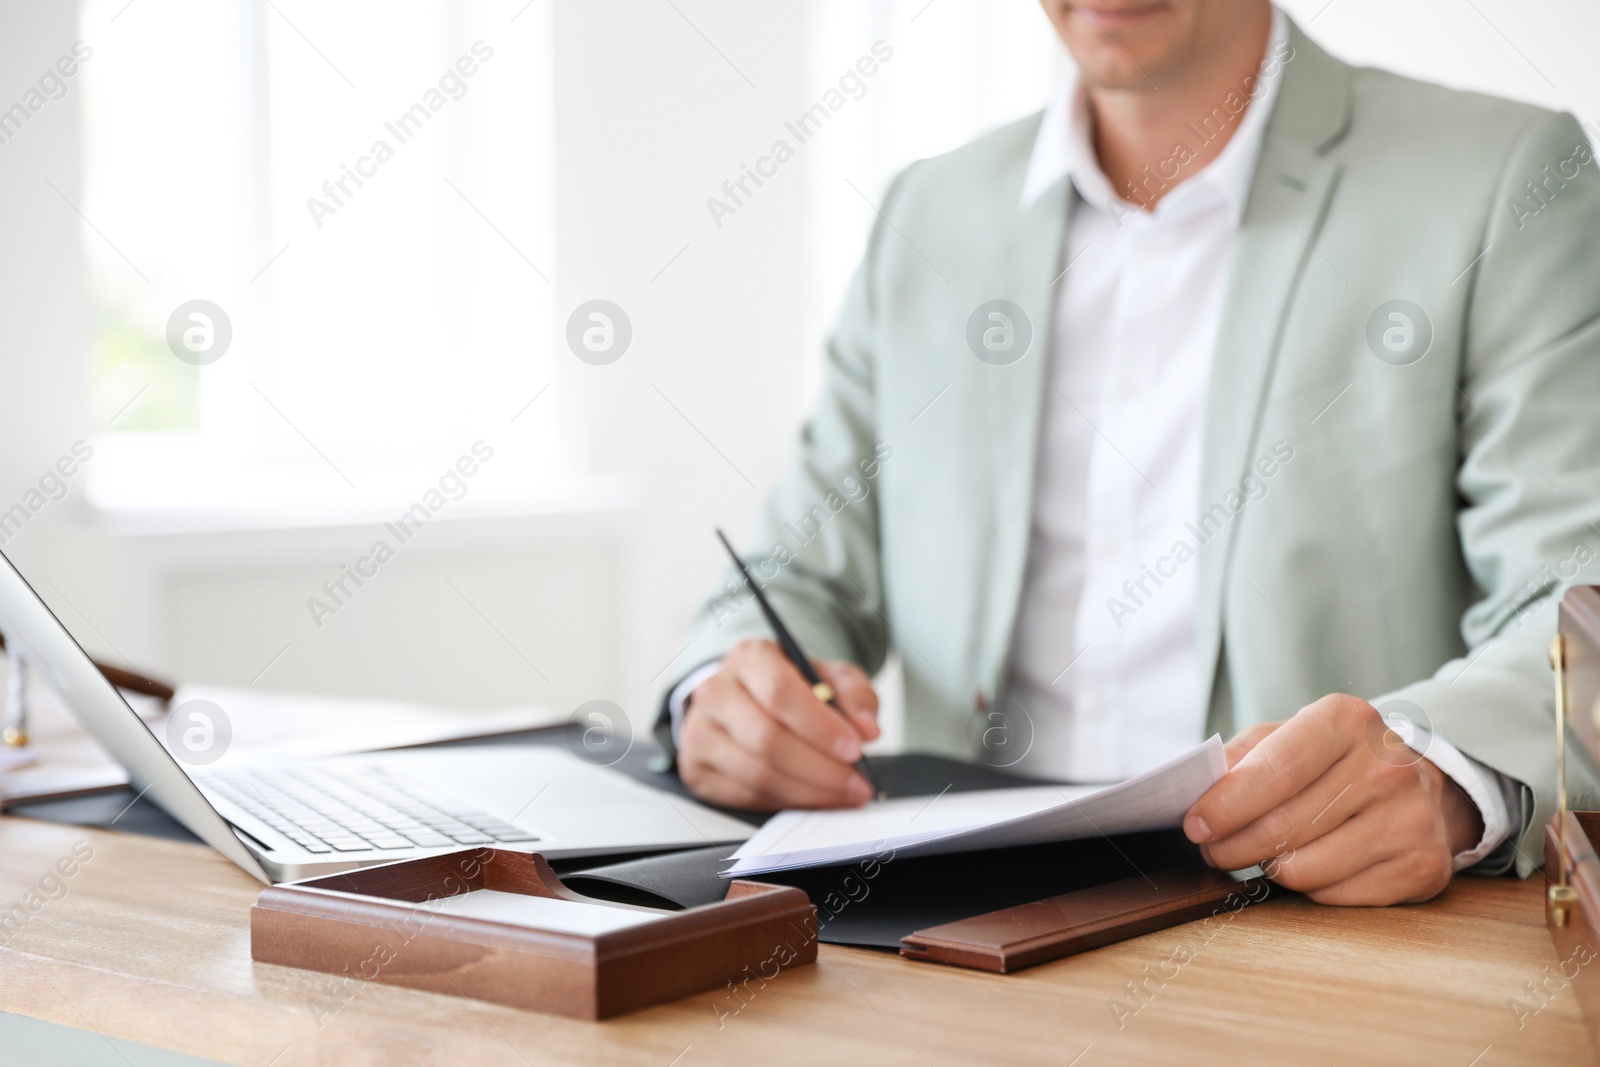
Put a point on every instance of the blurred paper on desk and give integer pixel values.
(283, 726)
(264, 726)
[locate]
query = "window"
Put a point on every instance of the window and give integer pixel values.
(364, 190)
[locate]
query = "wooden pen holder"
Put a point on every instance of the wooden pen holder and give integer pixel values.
(499, 926)
(1015, 938)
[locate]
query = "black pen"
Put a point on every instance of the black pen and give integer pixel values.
(822, 689)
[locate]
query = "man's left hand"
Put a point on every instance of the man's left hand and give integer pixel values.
(1336, 807)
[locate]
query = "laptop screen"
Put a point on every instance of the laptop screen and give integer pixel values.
(34, 634)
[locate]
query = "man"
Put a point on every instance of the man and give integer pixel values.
(1240, 391)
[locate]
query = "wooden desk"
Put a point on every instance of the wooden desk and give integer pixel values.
(151, 943)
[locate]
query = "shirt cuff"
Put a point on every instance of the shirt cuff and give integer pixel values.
(679, 697)
(1495, 794)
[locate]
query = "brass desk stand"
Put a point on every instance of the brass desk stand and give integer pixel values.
(1561, 894)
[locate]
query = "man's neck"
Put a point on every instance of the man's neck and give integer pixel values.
(1151, 139)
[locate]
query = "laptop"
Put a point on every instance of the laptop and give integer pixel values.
(285, 821)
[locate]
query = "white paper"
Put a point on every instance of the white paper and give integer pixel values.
(996, 818)
(271, 726)
(543, 913)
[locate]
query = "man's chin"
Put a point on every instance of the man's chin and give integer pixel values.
(1112, 64)
(1114, 80)
(1116, 45)
(1112, 72)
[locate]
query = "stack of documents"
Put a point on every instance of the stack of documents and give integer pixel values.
(996, 818)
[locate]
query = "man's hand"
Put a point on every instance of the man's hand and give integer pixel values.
(1346, 812)
(754, 736)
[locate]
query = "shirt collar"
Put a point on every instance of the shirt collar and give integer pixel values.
(1063, 147)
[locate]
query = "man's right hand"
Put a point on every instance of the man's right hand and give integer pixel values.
(755, 736)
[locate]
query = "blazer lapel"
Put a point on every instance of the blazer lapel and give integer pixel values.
(1031, 270)
(1290, 192)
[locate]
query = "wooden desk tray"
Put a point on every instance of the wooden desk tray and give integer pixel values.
(1577, 941)
(394, 924)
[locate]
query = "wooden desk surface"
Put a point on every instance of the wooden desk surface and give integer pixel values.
(150, 942)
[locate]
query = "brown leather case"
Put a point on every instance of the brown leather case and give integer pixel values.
(375, 924)
(1580, 631)
(1577, 933)
(1013, 938)
(1577, 939)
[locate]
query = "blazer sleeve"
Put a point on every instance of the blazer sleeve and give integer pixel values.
(814, 545)
(1529, 471)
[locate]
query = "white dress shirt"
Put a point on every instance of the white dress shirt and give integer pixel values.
(1105, 664)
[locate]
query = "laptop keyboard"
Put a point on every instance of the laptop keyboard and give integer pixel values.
(357, 809)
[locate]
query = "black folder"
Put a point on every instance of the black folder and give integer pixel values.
(879, 901)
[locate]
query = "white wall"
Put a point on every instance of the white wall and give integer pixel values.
(650, 120)
(1541, 51)
(655, 106)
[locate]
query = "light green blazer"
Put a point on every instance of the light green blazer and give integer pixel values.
(1414, 546)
